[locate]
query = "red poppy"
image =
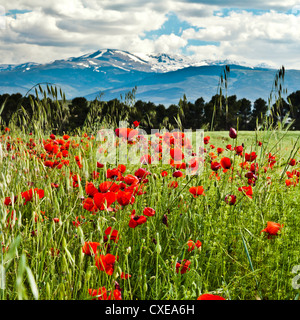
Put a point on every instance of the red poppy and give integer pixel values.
(146, 159)
(182, 266)
(106, 263)
(220, 150)
(197, 191)
(28, 195)
(192, 245)
(90, 248)
(292, 162)
(206, 140)
(208, 296)
(124, 198)
(104, 200)
(112, 233)
(225, 163)
(141, 173)
(229, 147)
(177, 154)
(215, 166)
(272, 228)
(173, 184)
(130, 179)
(250, 156)
(149, 212)
(99, 294)
(177, 174)
(125, 276)
(247, 191)
(136, 123)
(164, 173)
(100, 165)
(239, 150)
(108, 186)
(90, 189)
(230, 199)
(136, 220)
(113, 174)
(89, 205)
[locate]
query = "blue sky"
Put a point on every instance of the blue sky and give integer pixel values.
(265, 31)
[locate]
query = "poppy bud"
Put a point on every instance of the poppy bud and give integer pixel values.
(165, 220)
(232, 133)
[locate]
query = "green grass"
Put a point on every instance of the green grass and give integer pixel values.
(236, 260)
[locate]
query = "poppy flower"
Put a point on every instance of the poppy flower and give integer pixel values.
(121, 168)
(28, 195)
(164, 173)
(112, 233)
(104, 200)
(206, 140)
(239, 150)
(99, 294)
(250, 156)
(177, 174)
(108, 186)
(208, 296)
(90, 189)
(182, 266)
(192, 245)
(125, 276)
(113, 174)
(106, 263)
(176, 154)
(232, 133)
(124, 198)
(272, 228)
(215, 166)
(149, 212)
(77, 221)
(136, 123)
(229, 147)
(136, 220)
(230, 199)
(292, 162)
(247, 191)
(90, 248)
(130, 179)
(100, 165)
(197, 191)
(173, 184)
(220, 150)
(89, 205)
(8, 201)
(225, 163)
(141, 173)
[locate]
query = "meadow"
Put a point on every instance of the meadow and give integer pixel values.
(73, 228)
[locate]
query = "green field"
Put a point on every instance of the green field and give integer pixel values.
(43, 235)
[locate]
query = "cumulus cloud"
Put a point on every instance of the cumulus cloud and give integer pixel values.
(56, 30)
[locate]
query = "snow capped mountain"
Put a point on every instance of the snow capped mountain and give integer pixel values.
(160, 78)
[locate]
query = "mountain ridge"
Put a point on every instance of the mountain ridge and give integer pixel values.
(160, 78)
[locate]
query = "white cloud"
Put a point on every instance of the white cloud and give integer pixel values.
(60, 29)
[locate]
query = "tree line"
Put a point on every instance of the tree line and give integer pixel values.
(220, 113)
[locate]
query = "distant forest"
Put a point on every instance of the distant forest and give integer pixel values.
(219, 113)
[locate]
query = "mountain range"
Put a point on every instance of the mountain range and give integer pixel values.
(159, 78)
